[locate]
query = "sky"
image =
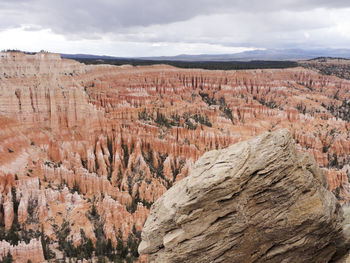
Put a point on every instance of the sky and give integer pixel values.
(135, 28)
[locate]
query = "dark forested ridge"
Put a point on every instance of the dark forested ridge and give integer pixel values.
(212, 65)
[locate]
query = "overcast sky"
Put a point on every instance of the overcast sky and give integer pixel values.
(171, 27)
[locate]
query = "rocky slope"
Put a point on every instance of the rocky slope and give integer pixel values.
(256, 201)
(85, 150)
(330, 66)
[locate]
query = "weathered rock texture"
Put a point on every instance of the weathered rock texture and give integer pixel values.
(256, 201)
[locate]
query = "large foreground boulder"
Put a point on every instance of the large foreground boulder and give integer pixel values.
(256, 201)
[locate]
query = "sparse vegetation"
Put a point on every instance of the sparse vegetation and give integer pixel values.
(76, 188)
(342, 111)
(225, 109)
(271, 104)
(7, 259)
(329, 66)
(45, 241)
(145, 115)
(126, 154)
(53, 164)
(111, 154)
(202, 119)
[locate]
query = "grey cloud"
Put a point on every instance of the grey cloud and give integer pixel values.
(77, 16)
(240, 29)
(248, 23)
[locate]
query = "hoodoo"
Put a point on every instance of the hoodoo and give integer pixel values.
(97, 145)
(257, 201)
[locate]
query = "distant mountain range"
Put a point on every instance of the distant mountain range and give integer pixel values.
(266, 54)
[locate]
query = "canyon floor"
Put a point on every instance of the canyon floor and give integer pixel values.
(85, 150)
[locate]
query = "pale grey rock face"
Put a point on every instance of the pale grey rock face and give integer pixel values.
(256, 201)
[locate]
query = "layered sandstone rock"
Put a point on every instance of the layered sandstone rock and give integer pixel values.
(259, 200)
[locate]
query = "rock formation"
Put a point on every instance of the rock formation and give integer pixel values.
(256, 201)
(23, 252)
(77, 139)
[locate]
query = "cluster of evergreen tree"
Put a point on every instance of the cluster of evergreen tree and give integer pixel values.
(342, 111)
(18, 232)
(211, 65)
(162, 120)
(103, 249)
(221, 102)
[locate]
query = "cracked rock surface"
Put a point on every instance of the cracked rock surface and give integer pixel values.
(257, 201)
